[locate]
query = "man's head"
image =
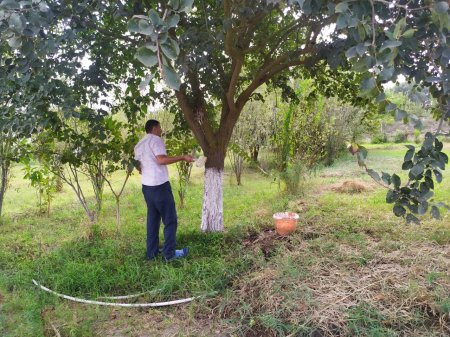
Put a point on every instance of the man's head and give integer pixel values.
(154, 127)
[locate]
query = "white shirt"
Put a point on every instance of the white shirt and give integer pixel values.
(145, 151)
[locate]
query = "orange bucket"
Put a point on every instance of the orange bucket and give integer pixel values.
(285, 222)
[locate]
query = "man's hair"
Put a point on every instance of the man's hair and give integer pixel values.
(151, 123)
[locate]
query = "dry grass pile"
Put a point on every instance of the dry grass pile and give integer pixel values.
(325, 290)
(351, 187)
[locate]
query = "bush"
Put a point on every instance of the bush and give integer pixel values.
(417, 138)
(379, 138)
(294, 177)
(401, 137)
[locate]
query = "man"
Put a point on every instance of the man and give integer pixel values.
(151, 154)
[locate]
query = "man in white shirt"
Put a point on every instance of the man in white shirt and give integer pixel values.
(151, 154)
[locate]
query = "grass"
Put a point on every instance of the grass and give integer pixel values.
(352, 268)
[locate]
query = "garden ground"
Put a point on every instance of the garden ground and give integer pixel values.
(351, 269)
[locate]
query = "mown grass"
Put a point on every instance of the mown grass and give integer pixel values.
(346, 269)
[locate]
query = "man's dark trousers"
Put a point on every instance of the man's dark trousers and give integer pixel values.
(160, 205)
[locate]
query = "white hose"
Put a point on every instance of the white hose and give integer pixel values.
(129, 305)
(122, 297)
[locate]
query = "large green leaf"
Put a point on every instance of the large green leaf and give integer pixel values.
(441, 6)
(416, 171)
(146, 56)
(133, 26)
(341, 7)
(171, 78)
(146, 28)
(391, 44)
(169, 50)
(172, 21)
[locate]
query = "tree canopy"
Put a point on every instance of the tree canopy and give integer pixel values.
(214, 55)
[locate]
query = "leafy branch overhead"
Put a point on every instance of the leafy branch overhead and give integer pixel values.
(160, 48)
(415, 197)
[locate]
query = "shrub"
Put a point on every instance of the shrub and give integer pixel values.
(379, 138)
(400, 137)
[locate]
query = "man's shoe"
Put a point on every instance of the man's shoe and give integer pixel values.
(179, 254)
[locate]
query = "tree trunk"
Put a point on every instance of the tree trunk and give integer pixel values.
(254, 153)
(3, 184)
(212, 211)
(118, 214)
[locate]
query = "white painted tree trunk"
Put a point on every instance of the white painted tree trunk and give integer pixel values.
(212, 211)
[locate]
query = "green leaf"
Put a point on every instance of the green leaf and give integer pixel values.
(300, 3)
(409, 33)
(175, 46)
(368, 84)
(145, 28)
(361, 155)
(361, 32)
(422, 208)
(391, 44)
(416, 171)
(435, 212)
(396, 181)
(387, 73)
(428, 142)
(409, 154)
(443, 158)
(399, 27)
(391, 196)
(186, 5)
(438, 146)
(169, 51)
(386, 178)
(15, 42)
(15, 22)
(441, 7)
(407, 165)
(175, 4)
(171, 78)
(145, 82)
(350, 53)
(399, 210)
(341, 7)
(146, 56)
(154, 18)
(438, 176)
(341, 21)
(375, 176)
(133, 26)
(9, 4)
(381, 97)
(173, 20)
(361, 49)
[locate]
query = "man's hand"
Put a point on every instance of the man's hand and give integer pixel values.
(188, 158)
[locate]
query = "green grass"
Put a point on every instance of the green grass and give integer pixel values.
(270, 286)
(58, 252)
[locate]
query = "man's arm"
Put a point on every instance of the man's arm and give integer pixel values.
(166, 160)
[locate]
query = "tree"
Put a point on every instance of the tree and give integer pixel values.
(217, 56)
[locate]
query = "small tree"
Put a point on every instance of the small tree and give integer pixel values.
(43, 180)
(179, 142)
(119, 156)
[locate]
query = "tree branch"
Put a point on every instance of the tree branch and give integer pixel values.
(190, 118)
